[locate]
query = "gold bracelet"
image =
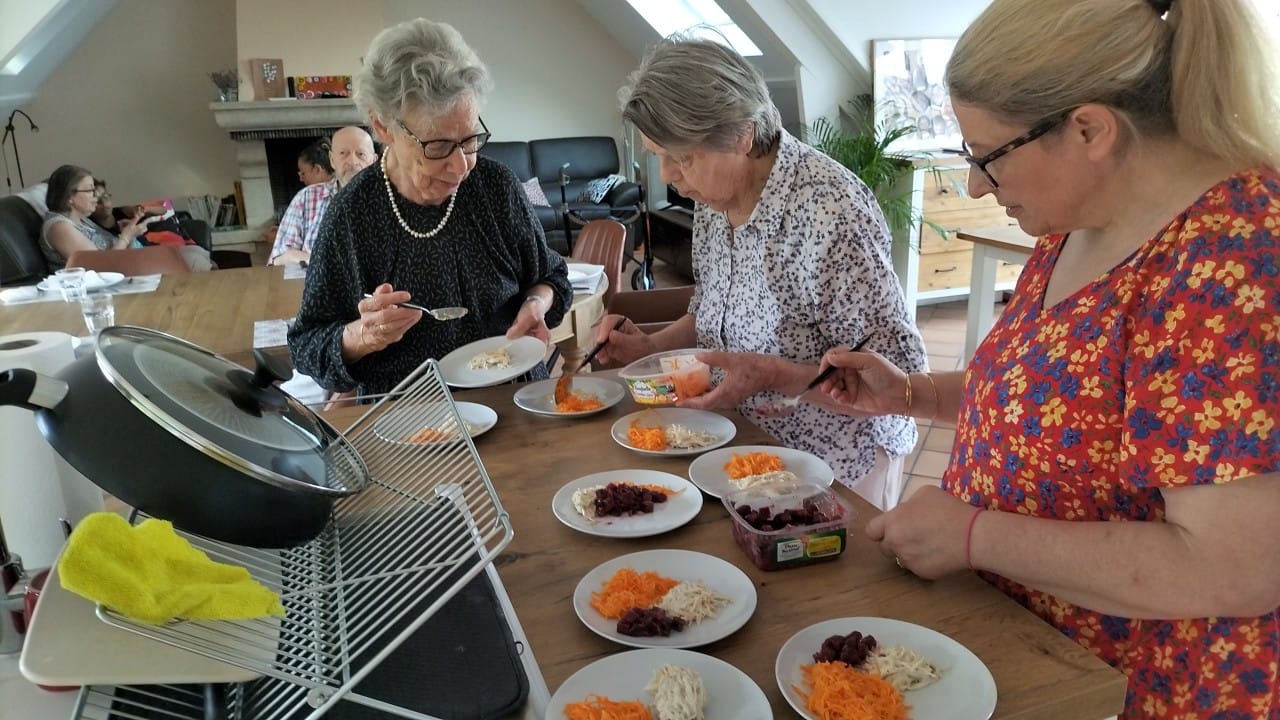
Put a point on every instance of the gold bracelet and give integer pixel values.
(937, 399)
(908, 413)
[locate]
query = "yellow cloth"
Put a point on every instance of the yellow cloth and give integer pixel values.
(147, 572)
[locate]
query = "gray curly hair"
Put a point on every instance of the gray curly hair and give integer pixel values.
(693, 92)
(418, 65)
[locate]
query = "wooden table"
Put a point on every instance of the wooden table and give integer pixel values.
(990, 245)
(1039, 673)
(216, 310)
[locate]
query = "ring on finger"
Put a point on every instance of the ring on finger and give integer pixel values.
(897, 560)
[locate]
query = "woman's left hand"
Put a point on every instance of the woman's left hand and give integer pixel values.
(926, 533)
(531, 320)
(745, 374)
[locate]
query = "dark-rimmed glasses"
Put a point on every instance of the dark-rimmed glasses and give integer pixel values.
(1039, 129)
(443, 148)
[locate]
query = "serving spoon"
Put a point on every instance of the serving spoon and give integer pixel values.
(444, 313)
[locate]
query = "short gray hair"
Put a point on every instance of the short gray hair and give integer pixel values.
(693, 92)
(421, 65)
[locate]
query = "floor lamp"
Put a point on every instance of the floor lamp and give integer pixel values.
(11, 135)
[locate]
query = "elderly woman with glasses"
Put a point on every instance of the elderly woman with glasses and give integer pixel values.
(435, 225)
(72, 197)
(1116, 466)
(791, 256)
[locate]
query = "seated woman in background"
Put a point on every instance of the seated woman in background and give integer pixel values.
(313, 163)
(72, 197)
(435, 223)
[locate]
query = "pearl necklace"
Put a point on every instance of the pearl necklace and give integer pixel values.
(391, 196)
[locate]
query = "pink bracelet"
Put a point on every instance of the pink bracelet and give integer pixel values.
(968, 536)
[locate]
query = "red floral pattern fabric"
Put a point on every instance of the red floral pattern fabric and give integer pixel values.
(1163, 372)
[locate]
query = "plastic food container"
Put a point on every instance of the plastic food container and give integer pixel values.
(819, 534)
(665, 377)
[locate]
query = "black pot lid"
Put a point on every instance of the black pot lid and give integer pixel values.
(235, 416)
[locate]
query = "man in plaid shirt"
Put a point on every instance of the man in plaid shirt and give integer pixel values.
(350, 152)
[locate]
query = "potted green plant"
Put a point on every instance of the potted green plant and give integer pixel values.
(865, 151)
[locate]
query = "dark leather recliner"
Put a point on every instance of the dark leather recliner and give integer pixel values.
(589, 158)
(21, 262)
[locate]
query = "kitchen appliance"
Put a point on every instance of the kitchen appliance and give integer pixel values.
(392, 556)
(185, 435)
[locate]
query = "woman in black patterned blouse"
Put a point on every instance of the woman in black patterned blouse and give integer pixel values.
(432, 223)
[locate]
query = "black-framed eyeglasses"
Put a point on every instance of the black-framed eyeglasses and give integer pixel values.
(443, 148)
(1039, 129)
(85, 190)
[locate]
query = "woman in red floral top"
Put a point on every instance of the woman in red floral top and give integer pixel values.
(1116, 467)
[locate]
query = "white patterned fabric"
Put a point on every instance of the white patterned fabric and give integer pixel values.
(533, 189)
(598, 188)
(809, 270)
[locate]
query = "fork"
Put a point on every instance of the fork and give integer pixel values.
(786, 406)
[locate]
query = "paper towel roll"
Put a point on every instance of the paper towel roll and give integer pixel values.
(31, 496)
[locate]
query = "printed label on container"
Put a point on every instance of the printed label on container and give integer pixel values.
(789, 549)
(652, 391)
(825, 544)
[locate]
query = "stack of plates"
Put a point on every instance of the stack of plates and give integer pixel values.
(585, 277)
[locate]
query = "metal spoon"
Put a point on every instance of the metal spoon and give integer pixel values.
(444, 313)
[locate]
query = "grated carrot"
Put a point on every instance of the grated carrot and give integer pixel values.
(690, 384)
(646, 438)
(753, 463)
(658, 489)
(579, 403)
(599, 707)
(428, 435)
(842, 693)
(629, 589)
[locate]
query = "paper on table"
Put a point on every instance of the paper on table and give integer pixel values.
(294, 271)
(271, 333)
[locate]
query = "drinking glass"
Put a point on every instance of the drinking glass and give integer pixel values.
(99, 312)
(71, 281)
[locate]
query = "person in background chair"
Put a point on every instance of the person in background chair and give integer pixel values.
(110, 219)
(72, 197)
(790, 255)
(313, 163)
(350, 151)
(434, 223)
(1116, 466)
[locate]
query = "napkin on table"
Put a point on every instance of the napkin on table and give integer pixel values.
(19, 294)
(148, 572)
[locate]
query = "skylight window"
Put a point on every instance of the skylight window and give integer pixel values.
(703, 18)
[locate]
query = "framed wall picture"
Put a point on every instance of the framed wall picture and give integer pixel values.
(909, 92)
(268, 78)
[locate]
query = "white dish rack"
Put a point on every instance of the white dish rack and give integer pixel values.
(429, 522)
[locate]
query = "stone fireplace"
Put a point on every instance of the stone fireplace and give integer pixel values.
(253, 124)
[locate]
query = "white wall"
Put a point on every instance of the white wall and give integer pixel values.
(556, 71)
(131, 102)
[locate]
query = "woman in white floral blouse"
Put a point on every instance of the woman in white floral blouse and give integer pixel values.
(791, 257)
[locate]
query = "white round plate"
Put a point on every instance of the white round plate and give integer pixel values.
(707, 472)
(702, 420)
(525, 353)
(539, 398)
(731, 695)
(96, 281)
(682, 505)
(716, 574)
(404, 420)
(966, 690)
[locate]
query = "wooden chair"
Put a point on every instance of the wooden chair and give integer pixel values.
(601, 243)
(652, 310)
(162, 259)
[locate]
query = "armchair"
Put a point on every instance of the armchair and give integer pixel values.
(569, 165)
